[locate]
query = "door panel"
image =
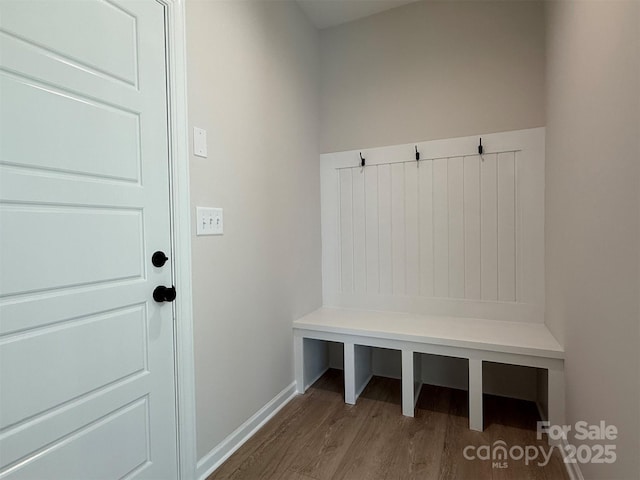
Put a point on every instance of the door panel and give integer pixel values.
(125, 430)
(76, 24)
(113, 346)
(86, 355)
(103, 245)
(109, 136)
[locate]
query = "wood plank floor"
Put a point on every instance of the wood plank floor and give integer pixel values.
(317, 436)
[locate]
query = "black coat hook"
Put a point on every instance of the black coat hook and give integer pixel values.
(480, 149)
(417, 153)
(362, 161)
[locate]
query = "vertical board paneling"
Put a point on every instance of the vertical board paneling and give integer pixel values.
(398, 229)
(456, 226)
(371, 231)
(346, 231)
(441, 228)
(359, 247)
(384, 226)
(472, 227)
(489, 230)
(330, 228)
(448, 234)
(506, 228)
(425, 212)
(526, 238)
(445, 228)
(412, 240)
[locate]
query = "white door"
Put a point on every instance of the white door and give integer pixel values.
(86, 354)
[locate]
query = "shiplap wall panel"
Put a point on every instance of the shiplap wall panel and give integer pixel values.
(489, 228)
(455, 209)
(359, 246)
(425, 212)
(455, 232)
(506, 227)
(412, 233)
(346, 230)
(384, 225)
(441, 227)
(371, 227)
(398, 229)
(472, 272)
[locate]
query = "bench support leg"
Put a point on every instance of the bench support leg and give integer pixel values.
(408, 403)
(298, 360)
(556, 405)
(349, 373)
(475, 395)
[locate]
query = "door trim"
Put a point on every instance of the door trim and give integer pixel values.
(181, 235)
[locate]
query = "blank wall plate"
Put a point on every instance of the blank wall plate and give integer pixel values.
(199, 142)
(209, 221)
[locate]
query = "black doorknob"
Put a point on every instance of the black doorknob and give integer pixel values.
(164, 294)
(158, 259)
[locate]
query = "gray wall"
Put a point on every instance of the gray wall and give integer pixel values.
(592, 215)
(432, 70)
(253, 84)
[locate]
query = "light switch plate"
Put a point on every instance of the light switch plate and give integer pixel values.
(209, 221)
(199, 142)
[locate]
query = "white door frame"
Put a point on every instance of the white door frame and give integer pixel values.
(181, 235)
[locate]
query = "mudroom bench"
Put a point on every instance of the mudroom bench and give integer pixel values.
(477, 340)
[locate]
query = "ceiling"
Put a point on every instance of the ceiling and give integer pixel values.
(329, 13)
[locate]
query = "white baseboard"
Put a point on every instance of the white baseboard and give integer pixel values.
(573, 469)
(212, 460)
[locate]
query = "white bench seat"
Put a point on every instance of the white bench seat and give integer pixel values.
(478, 340)
(493, 335)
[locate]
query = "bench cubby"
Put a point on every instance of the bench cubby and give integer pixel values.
(476, 340)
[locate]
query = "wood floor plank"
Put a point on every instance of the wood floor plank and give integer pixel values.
(372, 449)
(321, 455)
(419, 453)
(556, 468)
(512, 422)
(269, 453)
(318, 437)
(454, 465)
(293, 475)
